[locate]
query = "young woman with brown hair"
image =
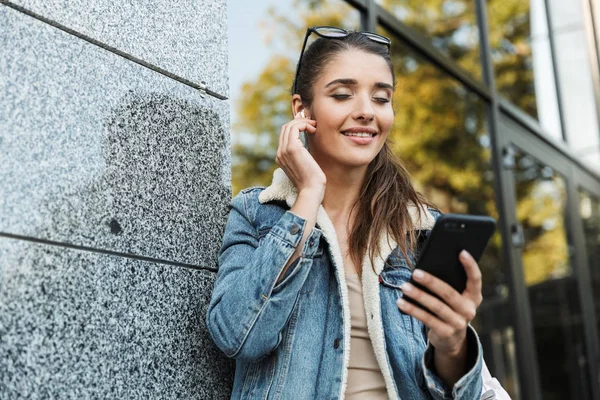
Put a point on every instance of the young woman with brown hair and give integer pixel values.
(313, 269)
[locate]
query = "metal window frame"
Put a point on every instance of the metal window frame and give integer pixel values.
(528, 375)
(516, 135)
(580, 181)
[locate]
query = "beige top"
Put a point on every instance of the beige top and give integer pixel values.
(365, 380)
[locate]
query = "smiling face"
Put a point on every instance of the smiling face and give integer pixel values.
(353, 109)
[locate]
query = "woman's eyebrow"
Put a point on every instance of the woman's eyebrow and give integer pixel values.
(382, 85)
(349, 81)
(343, 81)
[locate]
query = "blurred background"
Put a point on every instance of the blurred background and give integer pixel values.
(497, 113)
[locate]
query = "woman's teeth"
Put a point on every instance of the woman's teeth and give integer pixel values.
(359, 134)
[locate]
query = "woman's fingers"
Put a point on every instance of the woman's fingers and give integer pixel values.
(294, 159)
(446, 292)
(279, 155)
(429, 320)
(439, 309)
(474, 284)
(285, 139)
(290, 132)
(310, 126)
(290, 140)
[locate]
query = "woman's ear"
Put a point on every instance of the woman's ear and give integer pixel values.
(297, 106)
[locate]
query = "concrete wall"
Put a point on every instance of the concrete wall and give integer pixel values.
(114, 192)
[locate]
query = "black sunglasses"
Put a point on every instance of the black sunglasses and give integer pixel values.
(332, 32)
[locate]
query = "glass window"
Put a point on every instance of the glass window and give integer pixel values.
(589, 210)
(575, 80)
(552, 287)
(441, 136)
(264, 45)
(451, 26)
(522, 59)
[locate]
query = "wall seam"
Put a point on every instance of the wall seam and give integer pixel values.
(105, 252)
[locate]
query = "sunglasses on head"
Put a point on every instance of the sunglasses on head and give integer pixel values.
(332, 32)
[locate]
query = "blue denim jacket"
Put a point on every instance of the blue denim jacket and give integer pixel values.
(292, 339)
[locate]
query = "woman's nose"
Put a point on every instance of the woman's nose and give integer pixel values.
(364, 109)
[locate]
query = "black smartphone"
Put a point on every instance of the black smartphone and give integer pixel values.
(450, 235)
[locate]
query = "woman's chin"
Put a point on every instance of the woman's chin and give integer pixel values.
(348, 157)
(357, 160)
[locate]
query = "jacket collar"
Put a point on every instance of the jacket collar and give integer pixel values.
(282, 189)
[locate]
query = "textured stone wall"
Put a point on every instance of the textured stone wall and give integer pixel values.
(114, 192)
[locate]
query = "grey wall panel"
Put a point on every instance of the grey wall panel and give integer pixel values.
(76, 324)
(188, 38)
(98, 151)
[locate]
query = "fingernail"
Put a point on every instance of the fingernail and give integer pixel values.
(406, 287)
(400, 302)
(418, 274)
(464, 255)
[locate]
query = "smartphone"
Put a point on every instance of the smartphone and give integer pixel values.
(450, 235)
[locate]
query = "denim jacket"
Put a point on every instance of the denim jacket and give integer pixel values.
(291, 339)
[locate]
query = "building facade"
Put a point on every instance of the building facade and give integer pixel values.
(114, 188)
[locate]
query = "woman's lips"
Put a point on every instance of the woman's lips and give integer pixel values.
(361, 140)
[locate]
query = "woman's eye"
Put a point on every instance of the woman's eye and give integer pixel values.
(340, 96)
(382, 100)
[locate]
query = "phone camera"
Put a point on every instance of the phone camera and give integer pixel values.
(455, 226)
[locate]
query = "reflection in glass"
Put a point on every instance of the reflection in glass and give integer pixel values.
(451, 26)
(262, 103)
(522, 60)
(575, 80)
(441, 136)
(589, 210)
(552, 287)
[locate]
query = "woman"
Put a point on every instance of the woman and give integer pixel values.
(312, 271)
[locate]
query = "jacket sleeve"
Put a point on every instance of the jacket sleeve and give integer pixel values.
(248, 311)
(469, 386)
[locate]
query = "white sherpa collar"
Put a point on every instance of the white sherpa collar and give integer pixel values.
(282, 189)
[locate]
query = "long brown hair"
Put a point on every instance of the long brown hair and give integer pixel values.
(387, 192)
(383, 205)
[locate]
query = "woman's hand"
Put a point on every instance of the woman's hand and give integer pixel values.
(305, 173)
(448, 327)
(295, 160)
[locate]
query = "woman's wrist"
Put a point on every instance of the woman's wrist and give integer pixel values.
(458, 354)
(316, 192)
(307, 205)
(451, 365)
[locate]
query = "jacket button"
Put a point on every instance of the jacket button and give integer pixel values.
(294, 229)
(336, 343)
